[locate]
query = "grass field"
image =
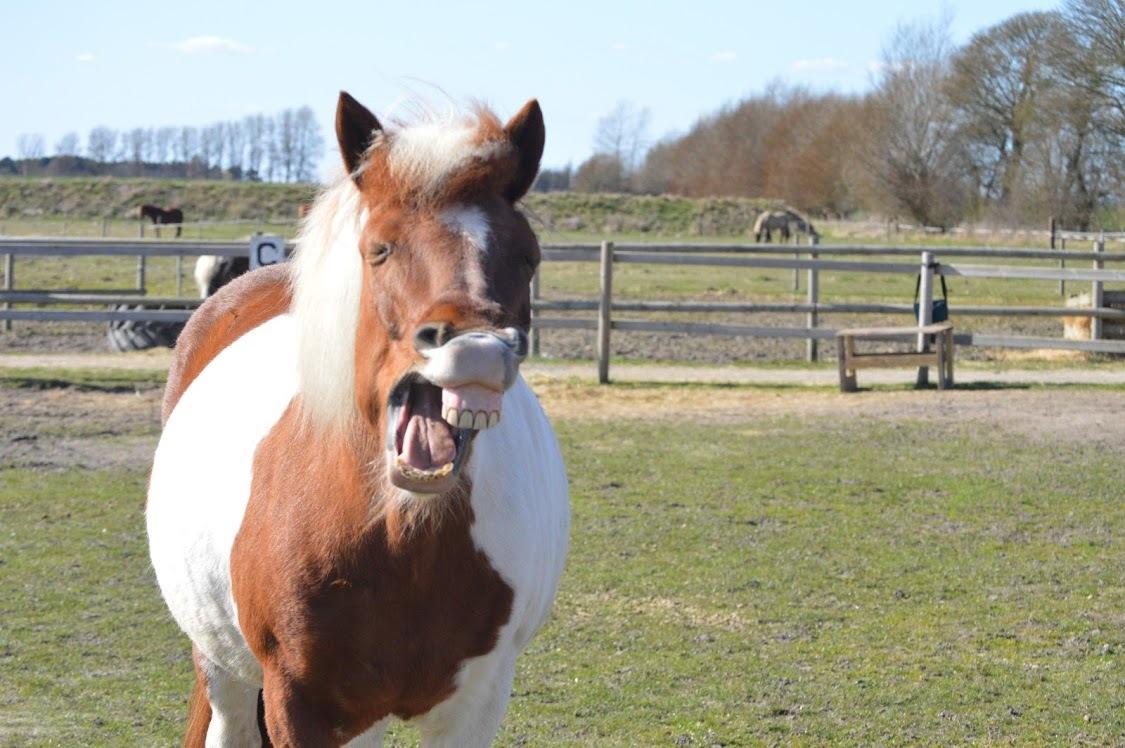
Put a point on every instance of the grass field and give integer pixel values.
(748, 566)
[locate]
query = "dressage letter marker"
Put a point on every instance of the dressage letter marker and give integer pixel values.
(266, 249)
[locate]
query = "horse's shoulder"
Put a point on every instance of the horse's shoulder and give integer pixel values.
(237, 308)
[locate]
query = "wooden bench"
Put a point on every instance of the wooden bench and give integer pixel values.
(941, 357)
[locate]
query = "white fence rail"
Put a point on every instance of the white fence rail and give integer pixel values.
(811, 259)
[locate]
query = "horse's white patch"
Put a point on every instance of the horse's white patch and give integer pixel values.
(200, 485)
(521, 507)
(327, 283)
(470, 223)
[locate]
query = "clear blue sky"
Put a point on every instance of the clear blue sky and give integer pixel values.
(75, 65)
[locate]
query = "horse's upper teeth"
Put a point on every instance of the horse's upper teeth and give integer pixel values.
(468, 419)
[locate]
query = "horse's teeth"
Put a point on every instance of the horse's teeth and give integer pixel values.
(493, 418)
(466, 420)
(480, 421)
(451, 416)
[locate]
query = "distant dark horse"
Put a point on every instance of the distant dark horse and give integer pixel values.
(163, 215)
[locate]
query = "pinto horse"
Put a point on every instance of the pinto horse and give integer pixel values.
(160, 216)
(357, 508)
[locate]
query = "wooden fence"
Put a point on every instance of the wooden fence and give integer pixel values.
(605, 319)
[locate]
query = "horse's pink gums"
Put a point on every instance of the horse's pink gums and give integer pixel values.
(470, 397)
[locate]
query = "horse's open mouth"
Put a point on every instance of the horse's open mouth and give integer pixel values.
(430, 431)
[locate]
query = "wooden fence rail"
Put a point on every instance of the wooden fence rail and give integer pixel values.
(1105, 267)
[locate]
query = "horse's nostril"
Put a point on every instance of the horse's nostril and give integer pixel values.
(431, 335)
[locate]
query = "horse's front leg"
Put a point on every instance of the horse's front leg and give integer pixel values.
(291, 720)
(234, 706)
(472, 717)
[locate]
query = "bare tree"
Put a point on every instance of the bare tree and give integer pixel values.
(998, 83)
(31, 146)
(623, 134)
(912, 154)
(187, 149)
(236, 147)
(602, 172)
(308, 144)
(101, 144)
(254, 128)
(162, 143)
(285, 137)
(67, 145)
(135, 143)
(273, 155)
(1091, 56)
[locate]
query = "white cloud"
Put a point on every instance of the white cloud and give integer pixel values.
(502, 46)
(725, 56)
(618, 47)
(208, 44)
(819, 65)
(84, 57)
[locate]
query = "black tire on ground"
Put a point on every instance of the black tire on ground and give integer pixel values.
(137, 335)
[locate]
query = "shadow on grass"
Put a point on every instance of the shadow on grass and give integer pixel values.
(87, 380)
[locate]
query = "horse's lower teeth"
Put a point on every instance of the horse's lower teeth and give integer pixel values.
(413, 472)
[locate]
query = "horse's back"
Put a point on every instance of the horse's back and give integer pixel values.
(237, 308)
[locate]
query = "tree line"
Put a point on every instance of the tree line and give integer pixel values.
(1024, 121)
(285, 147)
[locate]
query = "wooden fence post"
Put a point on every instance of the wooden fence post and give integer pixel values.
(796, 271)
(1097, 299)
(813, 299)
(1051, 227)
(140, 272)
(180, 274)
(9, 284)
(1062, 266)
(533, 341)
(605, 301)
(925, 311)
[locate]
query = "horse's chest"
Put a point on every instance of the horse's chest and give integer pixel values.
(392, 618)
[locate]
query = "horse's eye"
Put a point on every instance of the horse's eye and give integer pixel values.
(378, 254)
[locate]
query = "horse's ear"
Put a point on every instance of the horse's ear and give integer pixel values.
(527, 133)
(355, 127)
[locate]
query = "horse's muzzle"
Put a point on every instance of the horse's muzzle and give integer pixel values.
(437, 410)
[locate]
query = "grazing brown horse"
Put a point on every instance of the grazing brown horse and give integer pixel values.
(357, 508)
(161, 216)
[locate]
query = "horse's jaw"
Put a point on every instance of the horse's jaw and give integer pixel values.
(430, 432)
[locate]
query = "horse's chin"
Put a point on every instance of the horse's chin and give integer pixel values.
(425, 453)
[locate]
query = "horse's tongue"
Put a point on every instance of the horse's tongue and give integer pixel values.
(427, 443)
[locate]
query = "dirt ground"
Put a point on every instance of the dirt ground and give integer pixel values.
(49, 429)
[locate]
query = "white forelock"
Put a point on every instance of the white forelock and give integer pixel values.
(327, 283)
(427, 153)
